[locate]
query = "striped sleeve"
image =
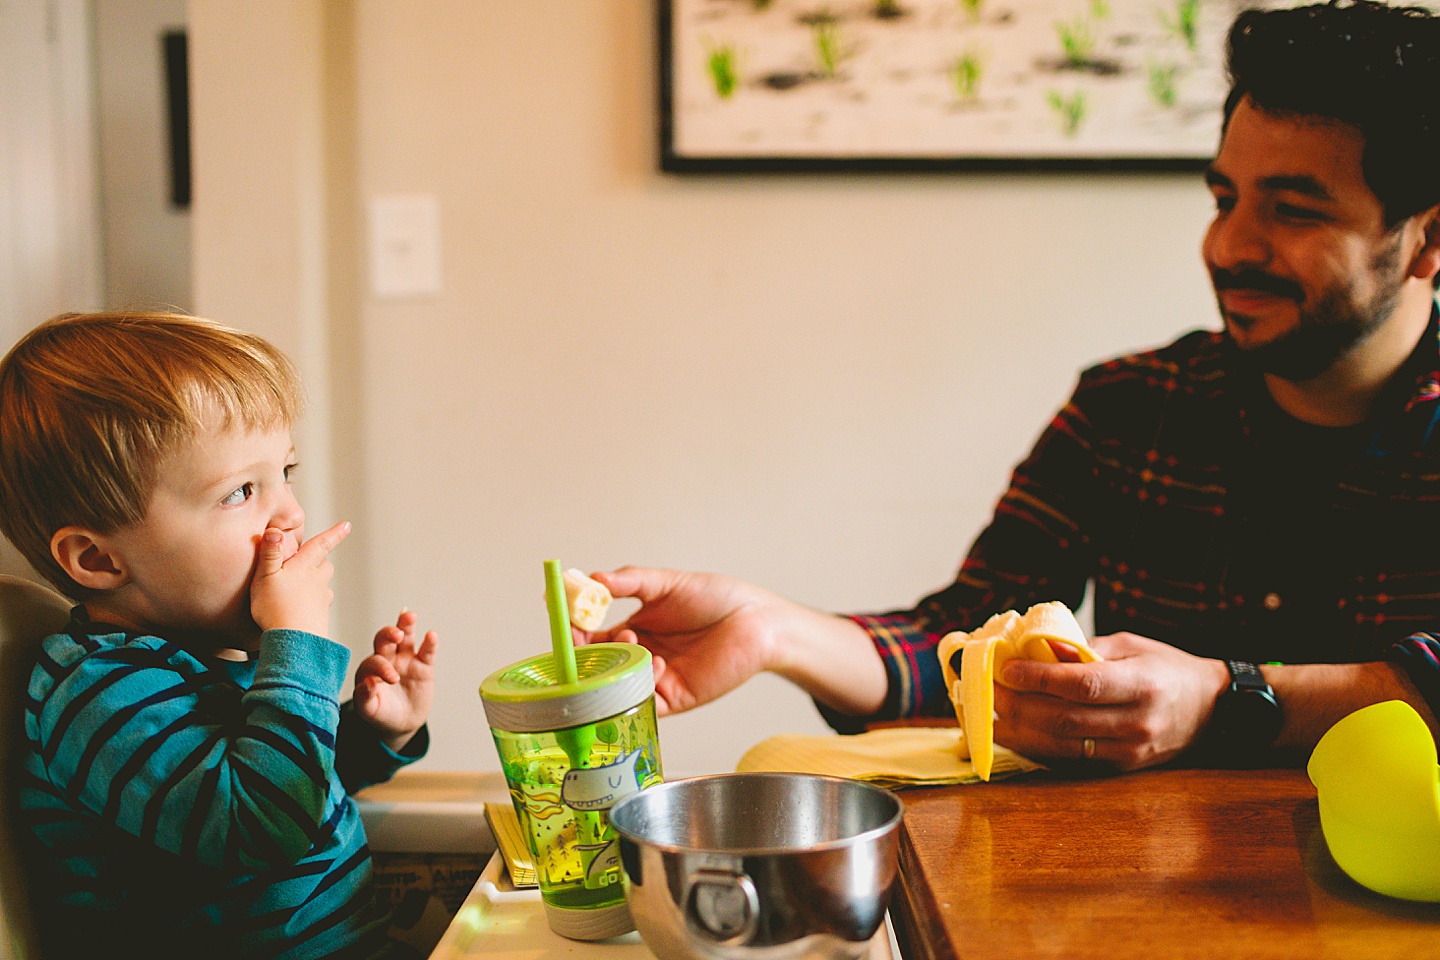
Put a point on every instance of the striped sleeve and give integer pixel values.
(908, 655)
(361, 756)
(1419, 656)
(144, 737)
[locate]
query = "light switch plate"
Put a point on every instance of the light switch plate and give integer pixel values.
(405, 245)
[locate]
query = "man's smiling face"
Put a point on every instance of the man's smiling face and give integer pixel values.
(1302, 262)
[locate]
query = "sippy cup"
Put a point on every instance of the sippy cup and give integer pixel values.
(571, 750)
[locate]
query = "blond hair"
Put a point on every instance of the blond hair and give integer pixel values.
(91, 404)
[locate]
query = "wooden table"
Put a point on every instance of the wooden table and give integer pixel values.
(1158, 864)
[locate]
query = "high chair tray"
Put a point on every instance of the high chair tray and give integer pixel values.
(498, 921)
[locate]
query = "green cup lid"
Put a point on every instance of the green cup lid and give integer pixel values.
(528, 696)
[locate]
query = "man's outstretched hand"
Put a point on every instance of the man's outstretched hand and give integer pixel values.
(707, 633)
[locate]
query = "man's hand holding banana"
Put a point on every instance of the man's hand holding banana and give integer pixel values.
(1123, 700)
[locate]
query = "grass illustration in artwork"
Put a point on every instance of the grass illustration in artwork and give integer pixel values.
(827, 48)
(965, 73)
(1162, 83)
(972, 8)
(1077, 40)
(723, 64)
(1183, 22)
(1069, 110)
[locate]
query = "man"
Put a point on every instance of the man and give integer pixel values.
(1268, 495)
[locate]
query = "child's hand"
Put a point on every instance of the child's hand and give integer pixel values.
(395, 685)
(295, 594)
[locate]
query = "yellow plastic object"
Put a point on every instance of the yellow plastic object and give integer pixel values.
(1380, 800)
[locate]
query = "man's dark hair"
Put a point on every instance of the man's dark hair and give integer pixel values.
(1373, 66)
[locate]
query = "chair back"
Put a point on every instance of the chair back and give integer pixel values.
(28, 614)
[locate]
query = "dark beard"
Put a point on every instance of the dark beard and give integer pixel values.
(1314, 346)
(1330, 328)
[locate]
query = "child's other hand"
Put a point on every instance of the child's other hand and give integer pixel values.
(295, 594)
(395, 685)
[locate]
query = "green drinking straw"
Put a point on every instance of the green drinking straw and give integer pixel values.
(561, 642)
(576, 741)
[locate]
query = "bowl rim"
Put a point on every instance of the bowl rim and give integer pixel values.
(889, 826)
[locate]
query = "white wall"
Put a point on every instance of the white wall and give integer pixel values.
(260, 226)
(49, 225)
(147, 238)
(49, 211)
(818, 383)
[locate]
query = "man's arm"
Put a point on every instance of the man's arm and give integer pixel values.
(710, 633)
(836, 662)
(1148, 702)
(1317, 695)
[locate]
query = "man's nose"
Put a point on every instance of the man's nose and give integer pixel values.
(1236, 240)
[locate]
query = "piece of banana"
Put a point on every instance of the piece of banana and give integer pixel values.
(984, 650)
(589, 600)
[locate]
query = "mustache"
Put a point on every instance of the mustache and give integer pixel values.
(1257, 280)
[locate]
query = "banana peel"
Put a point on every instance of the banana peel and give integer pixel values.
(983, 651)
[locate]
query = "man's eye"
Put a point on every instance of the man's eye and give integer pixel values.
(239, 495)
(1224, 203)
(1292, 212)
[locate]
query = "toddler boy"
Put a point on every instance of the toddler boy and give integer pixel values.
(188, 765)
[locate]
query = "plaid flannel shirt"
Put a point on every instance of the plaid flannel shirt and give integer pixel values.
(1202, 516)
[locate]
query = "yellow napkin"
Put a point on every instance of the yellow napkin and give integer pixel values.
(510, 838)
(893, 757)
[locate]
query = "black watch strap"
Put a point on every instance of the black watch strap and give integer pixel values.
(1247, 676)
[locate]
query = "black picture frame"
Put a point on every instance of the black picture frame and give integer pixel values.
(1198, 64)
(175, 53)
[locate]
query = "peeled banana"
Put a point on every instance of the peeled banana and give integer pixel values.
(588, 599)
(984, 650)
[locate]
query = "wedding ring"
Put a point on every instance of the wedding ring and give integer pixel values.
(1088, 745)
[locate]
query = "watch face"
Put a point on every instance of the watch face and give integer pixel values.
(1247, 719)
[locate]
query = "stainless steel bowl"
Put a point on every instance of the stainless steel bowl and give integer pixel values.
(758, 866)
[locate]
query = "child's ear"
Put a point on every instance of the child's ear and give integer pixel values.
(88, 558)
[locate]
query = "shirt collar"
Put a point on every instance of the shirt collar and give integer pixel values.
(1406, 415)
(1426, 389)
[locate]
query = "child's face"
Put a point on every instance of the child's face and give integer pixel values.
(192, 557)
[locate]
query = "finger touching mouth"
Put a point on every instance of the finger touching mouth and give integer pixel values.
(289, 545)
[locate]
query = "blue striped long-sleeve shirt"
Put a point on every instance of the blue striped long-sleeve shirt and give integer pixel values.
(194, 807)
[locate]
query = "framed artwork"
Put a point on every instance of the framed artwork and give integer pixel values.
(941, 84)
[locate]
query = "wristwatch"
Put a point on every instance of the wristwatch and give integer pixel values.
(1247, 717)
